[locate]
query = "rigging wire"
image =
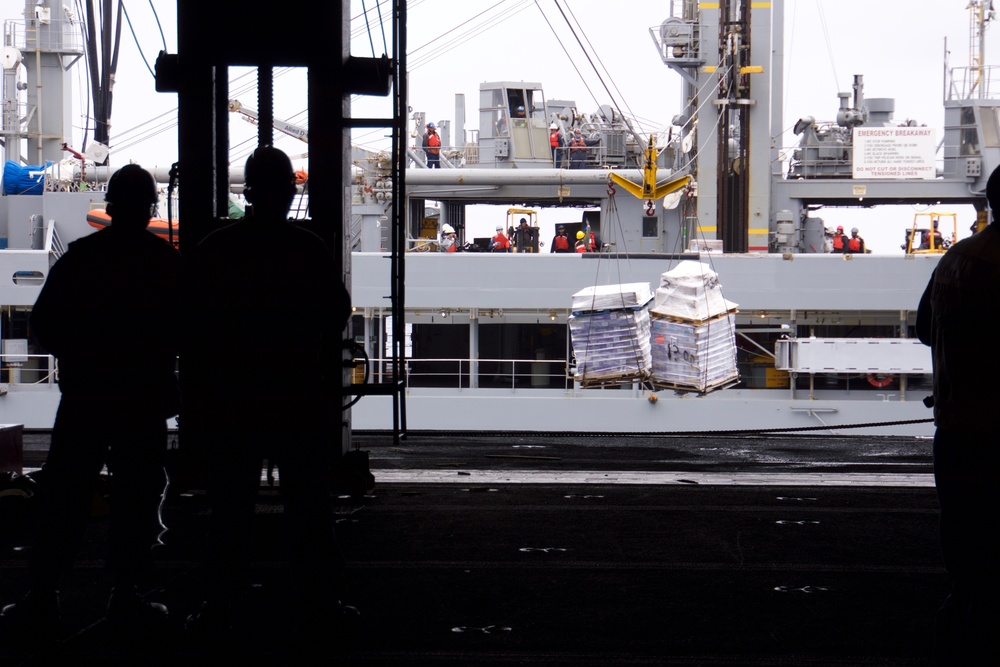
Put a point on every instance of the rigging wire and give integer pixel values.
(460, 25)
(368, 26)
(135, 38)
(156, 16)
(566, 51)
(585, 53)
(471, 33)
(829, 45)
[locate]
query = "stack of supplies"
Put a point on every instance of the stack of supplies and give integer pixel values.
(693, 331)
(609, 329)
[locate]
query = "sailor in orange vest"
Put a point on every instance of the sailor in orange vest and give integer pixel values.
(855, 243)
(557, 143)
(593, 243)
(432, 147)
(500, 242)
(560, 242)
(581, 242)
(839, 240)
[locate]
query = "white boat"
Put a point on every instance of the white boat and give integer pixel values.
(826, 341)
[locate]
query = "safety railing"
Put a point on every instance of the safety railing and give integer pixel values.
(27, 369)
(973, 83)
(482, 373)
(50, 35)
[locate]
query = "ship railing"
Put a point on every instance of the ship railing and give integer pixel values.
(966, 83)
(55, 35)
(476, 373)
(27, 369)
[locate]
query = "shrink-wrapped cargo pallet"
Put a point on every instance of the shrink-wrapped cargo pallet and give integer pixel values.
(694, 356)
(693, 331)
(609, 329)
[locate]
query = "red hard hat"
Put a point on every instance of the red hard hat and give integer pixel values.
(840, 228)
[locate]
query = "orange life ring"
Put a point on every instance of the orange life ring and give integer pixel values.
(880, 380)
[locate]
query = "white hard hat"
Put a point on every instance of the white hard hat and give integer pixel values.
(447, 229)
(499, 228)
(553, 126)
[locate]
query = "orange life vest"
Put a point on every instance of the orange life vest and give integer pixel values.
(838, 242)
(433, 143)
(854, 244)
(554, 138)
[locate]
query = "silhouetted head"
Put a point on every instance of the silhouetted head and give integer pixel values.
(270, 181)
(993, 192)
(131, 196)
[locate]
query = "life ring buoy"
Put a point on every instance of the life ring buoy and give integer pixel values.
(880, 380)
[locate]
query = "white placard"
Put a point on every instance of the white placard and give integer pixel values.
(894, 152)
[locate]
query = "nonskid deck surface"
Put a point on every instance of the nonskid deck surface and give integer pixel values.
(487, 572)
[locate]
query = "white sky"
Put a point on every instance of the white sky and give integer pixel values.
(898, 45)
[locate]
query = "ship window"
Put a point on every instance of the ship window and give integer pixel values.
(492, 98)
(970, 137)
(516, 99)
(991, 128)
(649, 227)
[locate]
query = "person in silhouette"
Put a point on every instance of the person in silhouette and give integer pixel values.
(109, 312)
(958, 316)
(266, 293)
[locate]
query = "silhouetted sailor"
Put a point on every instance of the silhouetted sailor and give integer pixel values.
(109, 312)
(959, 317)
(269, 311)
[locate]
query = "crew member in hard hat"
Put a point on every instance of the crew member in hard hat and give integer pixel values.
(500, 242)
(109, 312)
(432, 147)
(855, 243)
(557, 144)
(449, 239)
(265, 264)
(958, 316)
(581, 242)
(839, 240)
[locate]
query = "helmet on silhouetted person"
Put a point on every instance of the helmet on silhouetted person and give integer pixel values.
(270, 181)
(580, 235)
(854, 230)
(131, 187)
(268, 166)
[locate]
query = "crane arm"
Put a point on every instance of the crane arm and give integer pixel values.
(284, 127)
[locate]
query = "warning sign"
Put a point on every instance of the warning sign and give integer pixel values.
(894, 152)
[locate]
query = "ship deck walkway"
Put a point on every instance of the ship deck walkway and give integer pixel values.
(572, 551)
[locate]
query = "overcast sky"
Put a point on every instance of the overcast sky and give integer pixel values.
(898, 45)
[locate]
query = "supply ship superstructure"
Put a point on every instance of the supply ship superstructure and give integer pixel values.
(825, 339)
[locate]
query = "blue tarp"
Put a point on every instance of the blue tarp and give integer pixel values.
(21, 179)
